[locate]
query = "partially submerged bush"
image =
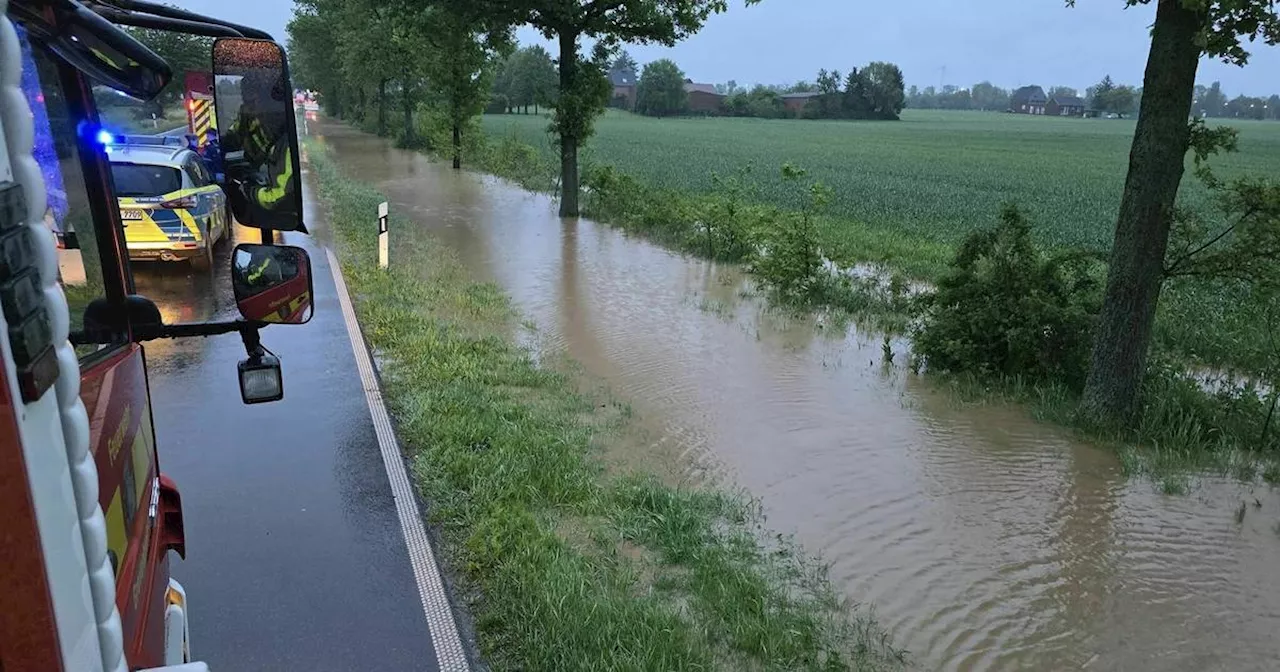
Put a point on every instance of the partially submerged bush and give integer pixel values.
(517, 160)
(790, 260)
(1005, 309)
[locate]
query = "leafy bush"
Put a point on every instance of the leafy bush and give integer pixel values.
(725, 225)
(517, 160)
(1002, 308)
(790, 261)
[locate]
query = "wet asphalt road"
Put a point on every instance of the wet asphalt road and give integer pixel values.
(295, 557)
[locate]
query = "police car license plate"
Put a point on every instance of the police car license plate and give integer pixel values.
(128, 214)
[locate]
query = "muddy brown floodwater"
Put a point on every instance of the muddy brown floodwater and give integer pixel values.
(984, 540)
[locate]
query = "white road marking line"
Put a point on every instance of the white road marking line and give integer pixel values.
(435, 603)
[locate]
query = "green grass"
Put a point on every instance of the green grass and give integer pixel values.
(934, 176)
(570, 565)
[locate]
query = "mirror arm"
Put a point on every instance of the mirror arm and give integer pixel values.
(252, 343)
(175, 13)
(186, 330)
(190, 329)
(128, 18)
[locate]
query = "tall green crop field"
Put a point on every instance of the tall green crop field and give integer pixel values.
(934, 175)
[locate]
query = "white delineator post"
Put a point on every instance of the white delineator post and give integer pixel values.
(383, 255)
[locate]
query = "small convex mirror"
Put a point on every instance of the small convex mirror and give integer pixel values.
(253, 100)
(272, 283)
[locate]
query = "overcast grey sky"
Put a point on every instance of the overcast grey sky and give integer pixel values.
(1010, 42)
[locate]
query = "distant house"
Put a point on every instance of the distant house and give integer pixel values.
(796, 102)
(703, 98)
(624, 91)
(1065, 106)
(1029, 100)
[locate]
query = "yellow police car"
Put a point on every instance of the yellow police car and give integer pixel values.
(171, 208)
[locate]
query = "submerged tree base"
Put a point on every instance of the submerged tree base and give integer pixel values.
(573, 565)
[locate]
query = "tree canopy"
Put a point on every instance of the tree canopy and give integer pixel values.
(584, 87)
(527, 77)
(661, 89)
(183, 52)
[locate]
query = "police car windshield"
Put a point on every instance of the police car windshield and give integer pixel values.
(136, 179)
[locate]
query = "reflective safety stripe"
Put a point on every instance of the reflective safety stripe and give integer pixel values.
(169, 224)
(269, 196)
(202, 119)
(186, 218)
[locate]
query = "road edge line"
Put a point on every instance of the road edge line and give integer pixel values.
(450, 654)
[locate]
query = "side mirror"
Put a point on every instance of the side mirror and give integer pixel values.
(253, 100)
(272, 283)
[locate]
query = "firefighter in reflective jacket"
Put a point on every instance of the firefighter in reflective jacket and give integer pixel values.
(267, 182)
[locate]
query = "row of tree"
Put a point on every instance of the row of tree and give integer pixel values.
(362, 55)
(1210, 101)
(525, 78)
(1105, 97)
(873, 92)
(368, 57)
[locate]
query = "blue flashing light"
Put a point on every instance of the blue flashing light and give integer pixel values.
(105, 138)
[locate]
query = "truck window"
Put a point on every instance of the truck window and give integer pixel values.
(67, 214)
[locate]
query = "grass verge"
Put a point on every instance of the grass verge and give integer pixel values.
(571, 566)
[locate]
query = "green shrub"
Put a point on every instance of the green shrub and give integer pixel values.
(1002, 308)
(516, 160)
(725, 225)
(790, 261)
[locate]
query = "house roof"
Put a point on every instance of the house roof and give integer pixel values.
(692, 87)
(802, 94)
(620, 79)
(1029, 92)
(1068, 101)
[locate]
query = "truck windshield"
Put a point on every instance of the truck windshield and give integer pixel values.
(137, 179)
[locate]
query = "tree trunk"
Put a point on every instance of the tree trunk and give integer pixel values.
(382, 106)
(1142, 229)
(568, 140)
(457, 145)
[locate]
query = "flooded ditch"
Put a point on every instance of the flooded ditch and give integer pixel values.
(983, 539)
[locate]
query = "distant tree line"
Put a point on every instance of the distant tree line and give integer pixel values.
(1210, 101)
(1105, 97)
(872, 92)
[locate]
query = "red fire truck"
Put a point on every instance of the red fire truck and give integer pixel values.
(89, 517)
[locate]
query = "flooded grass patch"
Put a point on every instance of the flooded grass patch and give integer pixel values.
(571, 565)
(1182, 435)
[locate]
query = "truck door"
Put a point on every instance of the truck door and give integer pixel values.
(113, 383)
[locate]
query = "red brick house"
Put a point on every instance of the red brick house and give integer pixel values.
(1028, 100)
(703, 98)
(796, 102)
(1065, 106)
(624, 91)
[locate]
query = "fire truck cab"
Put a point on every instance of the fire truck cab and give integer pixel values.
(89, 518)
